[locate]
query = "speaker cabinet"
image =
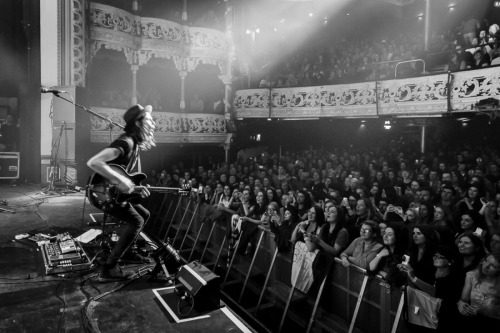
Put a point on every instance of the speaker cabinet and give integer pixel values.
(203, 285)
(9, 165)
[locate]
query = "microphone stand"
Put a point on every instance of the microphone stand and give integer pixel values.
(54, 168)
(111, 126)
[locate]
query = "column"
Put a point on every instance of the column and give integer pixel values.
(226, 147)
(228, 90)
(182, 105)
(134, 69)
(427, 23)
(184, 11)
(422, 139)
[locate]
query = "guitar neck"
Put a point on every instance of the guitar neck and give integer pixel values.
(158, 189)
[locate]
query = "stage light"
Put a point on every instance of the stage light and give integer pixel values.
(311, 14)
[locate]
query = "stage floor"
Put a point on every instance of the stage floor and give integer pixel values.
(32, 301)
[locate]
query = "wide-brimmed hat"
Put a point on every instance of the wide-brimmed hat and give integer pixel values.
(136, 112)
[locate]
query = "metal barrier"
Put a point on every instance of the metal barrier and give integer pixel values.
(405, 62)
(344, 296)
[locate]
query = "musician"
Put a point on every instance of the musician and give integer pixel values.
(124, 151)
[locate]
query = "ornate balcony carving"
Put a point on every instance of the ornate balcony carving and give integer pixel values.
(418, 96)
(142, 38)
(170, 127)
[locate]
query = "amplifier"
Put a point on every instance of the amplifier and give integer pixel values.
(202, 283)
(9, 165)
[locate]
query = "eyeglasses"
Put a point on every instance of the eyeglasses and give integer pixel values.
(438, 256)
(363, 230)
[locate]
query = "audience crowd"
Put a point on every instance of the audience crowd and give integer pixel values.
(428, 220)
(471, 45)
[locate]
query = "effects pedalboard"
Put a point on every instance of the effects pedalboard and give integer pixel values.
(63, 255)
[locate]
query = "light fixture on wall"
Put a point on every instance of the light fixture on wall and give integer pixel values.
(387, 124)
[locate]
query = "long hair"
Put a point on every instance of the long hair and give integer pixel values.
(144, 139)
(325, 234)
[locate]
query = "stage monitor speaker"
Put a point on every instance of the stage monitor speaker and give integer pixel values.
(202, 283)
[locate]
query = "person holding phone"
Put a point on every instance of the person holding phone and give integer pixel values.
(421, 250)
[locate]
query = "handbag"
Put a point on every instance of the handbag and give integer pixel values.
(421, 308)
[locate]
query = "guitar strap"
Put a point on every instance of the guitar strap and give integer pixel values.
(135, 159)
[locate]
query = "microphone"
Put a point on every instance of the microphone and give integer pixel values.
(54, 91)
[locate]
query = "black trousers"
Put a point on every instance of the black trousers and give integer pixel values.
(135, 217)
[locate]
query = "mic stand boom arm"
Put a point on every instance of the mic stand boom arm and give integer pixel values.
(111, 122)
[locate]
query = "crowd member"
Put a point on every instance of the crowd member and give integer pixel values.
(283, 229)
(395, 243)
(333, 238)
(363, 249)
(494, 242)
(471, 251)
(250, 225)
(420, 253)
(470, 222)
(445, 287)
(305, 250)
(364, 211)
(312, 226)
(479, 303)
(492, 217)
(303, 204)
(443, 224)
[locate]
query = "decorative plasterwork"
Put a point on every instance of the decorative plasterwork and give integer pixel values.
(417, 96)
(170, 127)
(472, 86)
(142, 38)
(78, 43)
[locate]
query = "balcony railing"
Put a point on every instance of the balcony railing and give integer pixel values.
(171, 127)
(433, 95)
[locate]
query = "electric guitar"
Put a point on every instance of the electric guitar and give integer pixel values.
(104, 195)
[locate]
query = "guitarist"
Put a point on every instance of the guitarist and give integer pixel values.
(124, 151)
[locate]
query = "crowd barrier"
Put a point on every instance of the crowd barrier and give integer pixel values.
(348, 300)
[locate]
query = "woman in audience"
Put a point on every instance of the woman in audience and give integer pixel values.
(305, 250)
(333, 238)
(470, 222)
(272, 195)
(479, 304)
(443, 224)
(250, 225)
(283, 229)
(471, 251)
(472, 199)
(312, 226)
(219, 191)
(364, 211)
(363, 249)
(492, 217)
(494, 243)
(446, 287)
(395, 243)
(426, 212)
(421, 250)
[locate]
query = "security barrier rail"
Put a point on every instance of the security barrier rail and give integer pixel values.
(348, 299)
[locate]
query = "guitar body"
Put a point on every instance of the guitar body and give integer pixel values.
(103, 195)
